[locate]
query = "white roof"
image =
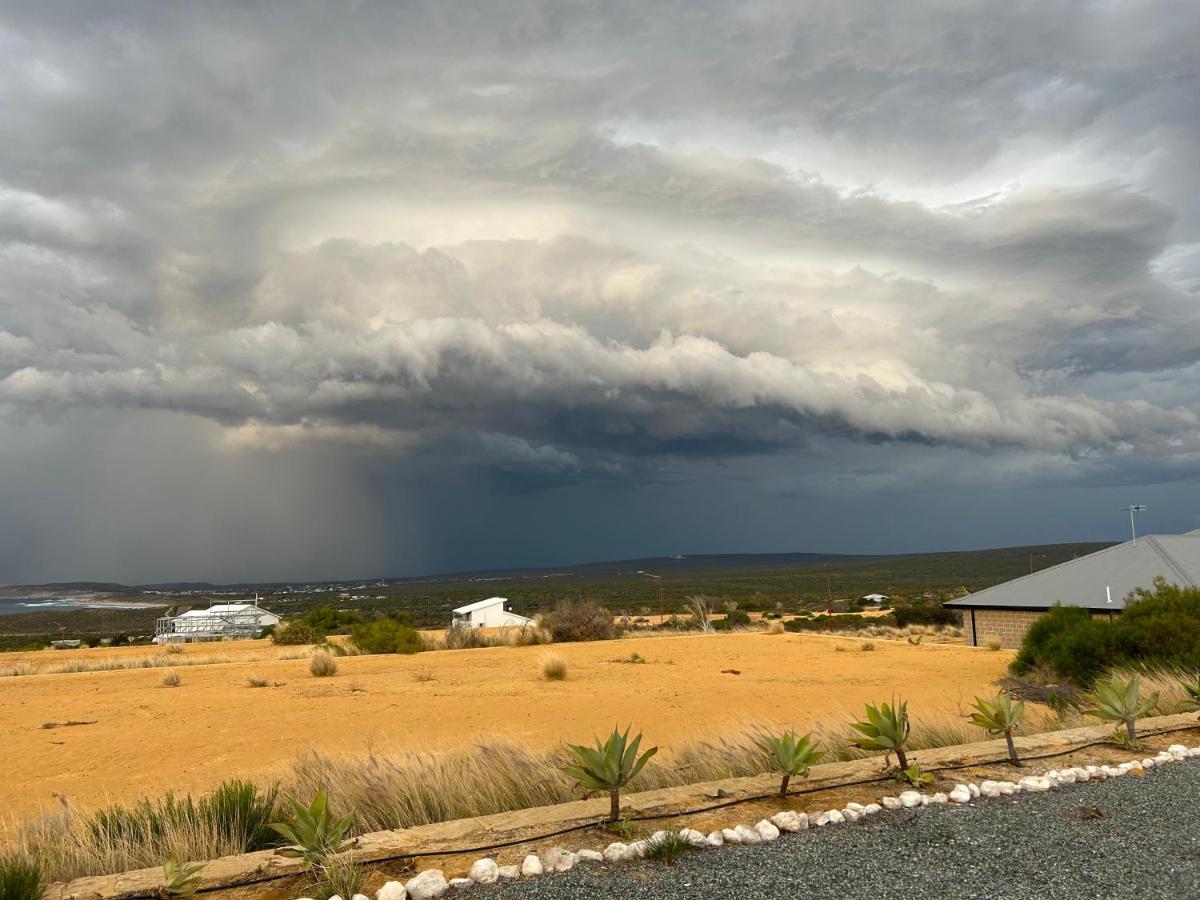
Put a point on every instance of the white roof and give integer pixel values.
(481, 604)
(223, 609)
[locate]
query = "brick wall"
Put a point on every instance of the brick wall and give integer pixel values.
(1007, 626)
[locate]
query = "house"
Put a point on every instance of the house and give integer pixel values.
(489, 613)
(874, 598)
(217, 622)
(1098, 582)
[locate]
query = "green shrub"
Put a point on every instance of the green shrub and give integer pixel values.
(791, 755)
(1120, 701)
(1000, 716)
(580, 620)
(925, 614)
(295, 631)
(179, 880)
(1159, 628)
(386, 636)
(20, 878)
(886, 728)
(326, 620)
(666, 847)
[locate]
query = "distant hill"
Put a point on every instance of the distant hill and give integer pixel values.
(987, 563)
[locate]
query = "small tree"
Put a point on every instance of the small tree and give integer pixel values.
(792, 755)
(698, 607)
(1000, 716)
(1119, 701)
(886, 729)
(609, 766)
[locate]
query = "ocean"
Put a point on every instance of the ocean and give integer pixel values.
(10, 605)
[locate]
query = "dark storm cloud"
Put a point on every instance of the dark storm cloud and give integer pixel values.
(597, 247)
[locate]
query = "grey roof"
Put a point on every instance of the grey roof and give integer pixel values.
(1082, 581)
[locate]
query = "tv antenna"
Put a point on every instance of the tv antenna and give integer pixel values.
(1136, 508)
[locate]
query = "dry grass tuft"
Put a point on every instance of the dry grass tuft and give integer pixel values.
(256, 681)
(993, 645)
(867, 646)
(775, 626)
(423, 674)
(554, 667)
(323, 664)
(171, 679)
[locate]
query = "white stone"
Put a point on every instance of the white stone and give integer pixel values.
(1177, 750)
(1124, 768)
(532, 865)
(426, 886)
(456, 883)
(1007, 788)
(850, 815)
(766, 830)
(960, 794)
(357, 897)
(1052, 776)
(939, 798)
(871, 808)
(1081, 773)
(594, 855)
(1066, 776)
(1111, 771)
(856, 807)
(715, 839)
(636, 850)
(692, 837)
(748, 834)
(909, 799)
(1163, 757)
(891, 802)
(659, 836)
(786, 821)
(925, 801)
(836, 817)
(484, 871)
(336, 897)
(989, 789)
(614, 852)
(821, 820)
(393, 890)
(974, 789)
(556, 859)
(730, 836)
(1148, 763)
(511, 871)
(1034, 784)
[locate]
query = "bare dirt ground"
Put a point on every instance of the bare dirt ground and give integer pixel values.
(141, 739)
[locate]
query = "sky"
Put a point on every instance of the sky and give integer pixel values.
(298, 290)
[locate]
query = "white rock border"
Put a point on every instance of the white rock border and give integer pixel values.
(432, 883)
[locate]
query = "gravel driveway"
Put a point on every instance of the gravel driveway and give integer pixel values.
(1124, 837)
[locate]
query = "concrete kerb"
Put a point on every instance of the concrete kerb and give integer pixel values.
(527, 824)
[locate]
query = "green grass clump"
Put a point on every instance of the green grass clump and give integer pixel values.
(666, 847)
(20, 878)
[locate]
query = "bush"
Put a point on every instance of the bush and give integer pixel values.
(385, 636)
(171, 679)
(20, 878)
(926, 614)
(1159, 627)
(326, 620)
(295, 631)
(323, 664)
(554, 667)
(1068, 641)
(580, 620)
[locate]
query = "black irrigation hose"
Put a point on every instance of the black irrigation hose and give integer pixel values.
(278, 876)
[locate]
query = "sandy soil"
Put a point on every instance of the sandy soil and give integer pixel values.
(143, 738)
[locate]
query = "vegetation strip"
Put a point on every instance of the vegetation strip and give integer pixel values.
(377, 847)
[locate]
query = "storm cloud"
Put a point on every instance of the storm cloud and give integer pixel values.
(682, 275)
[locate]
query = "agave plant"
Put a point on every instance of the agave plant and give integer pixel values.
(1191, 703)
(792, 755)
(609, 766)
(179, 880)
(314, 833)
(1119, 701)
(886, 729)
(1000, 716)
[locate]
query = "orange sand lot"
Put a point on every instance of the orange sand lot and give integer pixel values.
(147, 738)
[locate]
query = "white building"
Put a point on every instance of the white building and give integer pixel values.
(218, 622)
(874, 598)
(489, 613)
